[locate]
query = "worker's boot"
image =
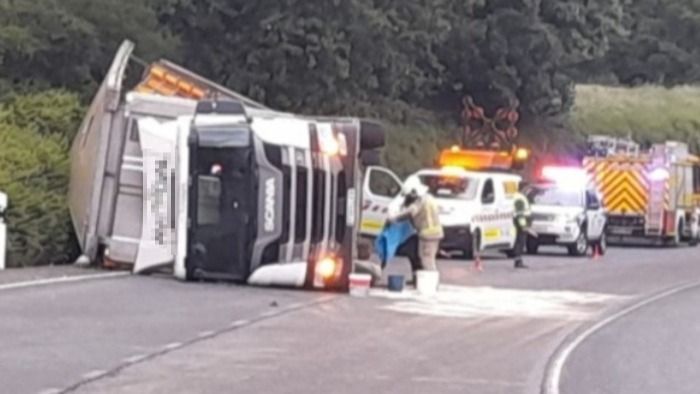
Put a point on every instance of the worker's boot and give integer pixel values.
(519, 264)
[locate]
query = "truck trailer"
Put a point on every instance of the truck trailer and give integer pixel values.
(170, 169)
(650, 195)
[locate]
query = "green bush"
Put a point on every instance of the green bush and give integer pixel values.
(34, 172)
(51, 112)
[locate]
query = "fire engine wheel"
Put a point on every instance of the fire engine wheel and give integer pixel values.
(580, 247)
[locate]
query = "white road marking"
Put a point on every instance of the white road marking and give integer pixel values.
(474, 302)
(172, 346)
(239, 323)
(556, 366)
(94, 374)
(205, 334)
(50, 391)
(134, 359)
(63, 279)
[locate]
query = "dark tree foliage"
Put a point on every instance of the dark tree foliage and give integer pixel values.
(68, 43)
(659, 45)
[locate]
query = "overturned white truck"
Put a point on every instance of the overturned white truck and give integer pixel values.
(178, 171)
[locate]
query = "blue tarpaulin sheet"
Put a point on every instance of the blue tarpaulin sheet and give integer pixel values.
(393, 236)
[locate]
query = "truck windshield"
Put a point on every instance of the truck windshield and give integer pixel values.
(555, 196)
(450, 187)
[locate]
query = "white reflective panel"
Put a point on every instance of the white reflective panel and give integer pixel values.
(157, 244)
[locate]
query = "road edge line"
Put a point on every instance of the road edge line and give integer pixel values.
(62, 279)
(552, 378)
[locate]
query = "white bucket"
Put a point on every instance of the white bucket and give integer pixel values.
(427, 282)
(359, 284)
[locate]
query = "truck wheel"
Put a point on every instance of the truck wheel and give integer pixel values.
(580, 247)
(372, 135)
(371, 158)
(532, 245)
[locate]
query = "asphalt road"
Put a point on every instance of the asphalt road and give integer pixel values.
(654, 350)
(490, 332)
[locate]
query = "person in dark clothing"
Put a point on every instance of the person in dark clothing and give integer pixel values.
(521, 220)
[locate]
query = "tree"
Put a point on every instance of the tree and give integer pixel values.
(312, 56)
(658, 46)
(524, 49)
(68, 43)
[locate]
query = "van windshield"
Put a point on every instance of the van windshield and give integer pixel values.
(457, 187)
(554, 196)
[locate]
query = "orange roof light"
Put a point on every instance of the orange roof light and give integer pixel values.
(522, 154)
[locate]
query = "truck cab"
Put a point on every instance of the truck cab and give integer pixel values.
(566, 212)
(179, 172)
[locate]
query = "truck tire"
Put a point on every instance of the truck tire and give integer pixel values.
(580, 247)
(372, 135)
(370, 158)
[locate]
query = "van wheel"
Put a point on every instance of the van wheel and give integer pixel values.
(532, 246)
(580, 247)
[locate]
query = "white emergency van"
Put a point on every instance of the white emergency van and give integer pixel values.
(476, 207)
(566, 211)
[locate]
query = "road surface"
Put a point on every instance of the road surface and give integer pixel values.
(490, 332)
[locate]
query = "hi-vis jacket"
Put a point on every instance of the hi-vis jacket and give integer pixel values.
(424, 216)
(522, 210)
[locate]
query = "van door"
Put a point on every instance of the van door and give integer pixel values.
(380, 188)
(507, 189)
(595, 216)
(490, 225)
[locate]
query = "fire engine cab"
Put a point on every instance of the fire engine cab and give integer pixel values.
(652, 194)
(474, 191)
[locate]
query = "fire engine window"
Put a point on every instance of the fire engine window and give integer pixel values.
(208, 198)
(383, 184)
(488, 195)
